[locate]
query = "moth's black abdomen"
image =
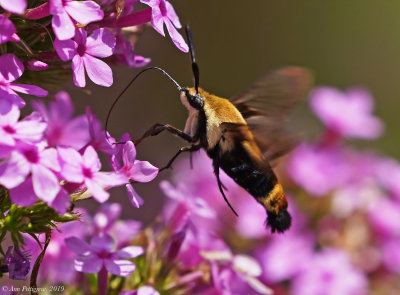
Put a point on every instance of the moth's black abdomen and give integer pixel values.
(280, 222)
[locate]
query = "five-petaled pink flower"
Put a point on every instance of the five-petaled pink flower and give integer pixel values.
(85, 168)
(100, 253)
(83, 51)
(138, 171)
(11, 68)
(42, 163)
(349, 114)
(64, 11)
(162, 13)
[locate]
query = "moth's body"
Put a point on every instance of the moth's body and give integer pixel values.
(219, 128)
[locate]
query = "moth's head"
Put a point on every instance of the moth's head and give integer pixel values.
(192, 100)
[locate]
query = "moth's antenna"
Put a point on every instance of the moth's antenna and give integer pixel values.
(195, 67)
(129, 84)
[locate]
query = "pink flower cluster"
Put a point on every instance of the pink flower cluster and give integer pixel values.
(50, 146)
(72, 21)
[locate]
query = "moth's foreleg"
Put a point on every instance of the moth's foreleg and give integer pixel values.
(188, 148)
(158, 128)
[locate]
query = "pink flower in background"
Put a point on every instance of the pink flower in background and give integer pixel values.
(285, 256)
(138, 171)
(83, 51)
(124, 53)
(106, 221)
(162, 13)
(330, 273)
(143, 290)
(62, 129)
(85, 168)
(14, 6)
(100, 253)
(18, 263)
(349, 113)
(65, 11)
(318, 169)
(98, 137)
(11, 68)
(384, 217)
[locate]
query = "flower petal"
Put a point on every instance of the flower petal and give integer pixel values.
(143, 171)
(61, 202)
(157, 20)
(63, 26)
(23, 195)
(98, 71)
(78, 246)
(122, 268)
(176, 37)
(91, 159)
(128, 154)
(88, 264)
(45, 183)
(11, 68)
(9, 98)
(79, 71)
(171, 14)
(49, 158)
(66, 49)
(134, 198)
(29, 89)
(71, 164)
(7, 29)
(84, 12)
(129, 252)
(103, 243)
(100, 43)
(97, 191)
(14, 6)
(13, 171)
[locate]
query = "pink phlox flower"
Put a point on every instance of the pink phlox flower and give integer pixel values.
(18, 263)
(98, 138)
(133, 169)
(7, 30)
(236, 274)
(11, 68)
(285, 256)
(83, 51)
(162, 12)
(197, 242)
(100, 253)
(349, 113)
(106, 221)
(36, 160)
(65, 11)
(325, 168)
(85, 168)
(181, 195)
(14, 6)
(124, 53)
(330, 272)
(28, 130)
(62, 128)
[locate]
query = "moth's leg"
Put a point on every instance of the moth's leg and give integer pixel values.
(220, 185)
(188, 148)
(158, 128)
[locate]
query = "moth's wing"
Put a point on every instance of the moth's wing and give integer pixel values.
(266, 105)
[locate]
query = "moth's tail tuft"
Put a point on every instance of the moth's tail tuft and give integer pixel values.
(279, 222)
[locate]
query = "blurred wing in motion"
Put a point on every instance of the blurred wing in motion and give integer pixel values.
(266, 105)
